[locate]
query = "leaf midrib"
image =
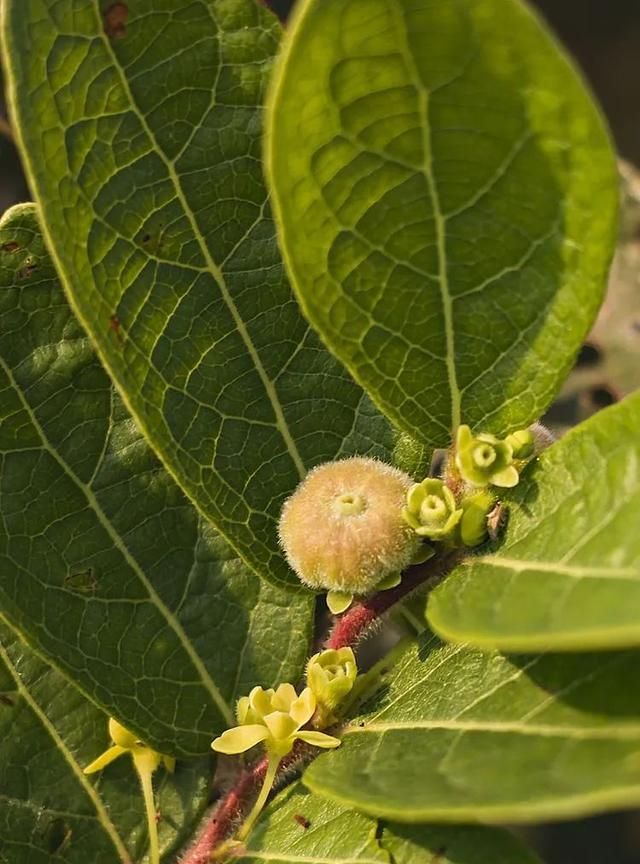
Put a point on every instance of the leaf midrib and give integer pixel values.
(105, 522)
(576, 571)
(630, 732)
(438, 215)
(214, 269)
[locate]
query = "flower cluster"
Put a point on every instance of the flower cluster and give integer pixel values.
(352, 526)
(274, 718)
(456, 512)
(277, 718)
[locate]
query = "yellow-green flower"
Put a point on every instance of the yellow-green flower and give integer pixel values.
(483, 459)
(331, 675)
(145, 761)
(126, 742)
(432, 510)
(274, 718)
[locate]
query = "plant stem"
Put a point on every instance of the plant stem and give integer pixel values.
(261, 800)
(350, 629)
(150, 807)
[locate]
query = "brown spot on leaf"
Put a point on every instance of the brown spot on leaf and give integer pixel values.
(302, 821)
(114, 326)
(10, 247)
(28, 270)
(115, 19)
(6, 700)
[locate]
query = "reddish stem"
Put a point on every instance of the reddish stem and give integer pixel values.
(354, 625)
(349, 629)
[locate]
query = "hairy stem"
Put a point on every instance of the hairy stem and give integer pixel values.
(350, 629)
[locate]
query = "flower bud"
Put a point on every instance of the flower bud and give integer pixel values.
(331, 675)
(473, 525)
(522, 443)
(483, 459)
(431, 510)
(342, 529)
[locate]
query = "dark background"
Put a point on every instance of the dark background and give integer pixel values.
(604, 37)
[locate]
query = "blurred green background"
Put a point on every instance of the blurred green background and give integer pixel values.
(604, 38)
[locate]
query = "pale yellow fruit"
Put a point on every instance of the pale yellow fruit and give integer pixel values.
(342, 529)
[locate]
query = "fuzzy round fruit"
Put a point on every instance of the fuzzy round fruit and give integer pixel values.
(342, 529)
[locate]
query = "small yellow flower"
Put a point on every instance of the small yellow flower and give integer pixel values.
(331, 675)
(145, 761)
(483, 459)
(431, 510)
(342, 529)
(126, 742)
(274, 718)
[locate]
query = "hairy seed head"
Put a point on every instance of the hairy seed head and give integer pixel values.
(342, 529)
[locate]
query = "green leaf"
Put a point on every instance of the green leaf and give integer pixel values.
(49, 810)
(457, 735)
(447, 196)
(337, 835)
(142, 144)
(566, 574)
(106, 567)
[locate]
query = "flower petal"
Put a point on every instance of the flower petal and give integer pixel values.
(105, 758)
(281, 725)
(242, 709)
(507, 478)
(285, 697)
(239, 739)
(319, 739)
(261, 701)
(304, 706)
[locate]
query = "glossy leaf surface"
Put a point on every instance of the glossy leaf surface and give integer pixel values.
(141, 135)
(447, 197)
(566, 573)
(106, 567)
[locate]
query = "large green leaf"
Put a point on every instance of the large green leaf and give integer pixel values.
(49, 810)
(458, 735)
(337, 835)
(104, 564)
(447, 198)
(142, 142)
(566, 575)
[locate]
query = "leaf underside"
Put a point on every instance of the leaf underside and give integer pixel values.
(457, 735)
(447, 197)
(142, 143)
(106, 567)
(566, 574)
(334, 833)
